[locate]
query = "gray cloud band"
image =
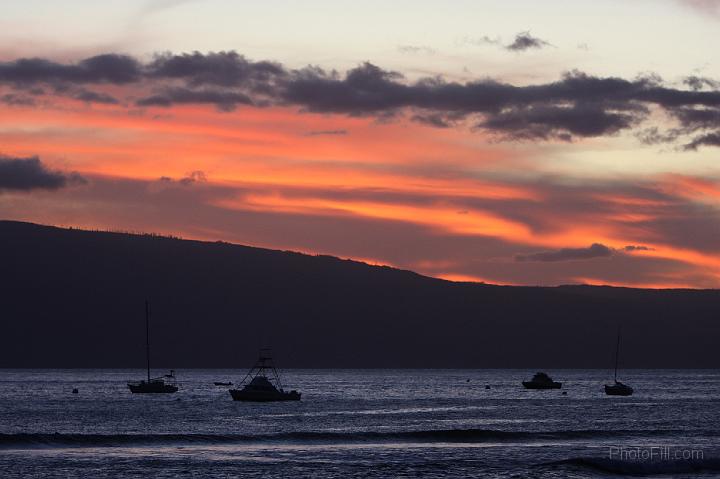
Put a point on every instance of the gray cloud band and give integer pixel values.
(595, 250)
(24, 174)
(576, 106)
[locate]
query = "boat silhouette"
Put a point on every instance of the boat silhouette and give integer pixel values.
(262, 383)
(618, 388)
(541, 381)
(162, 384)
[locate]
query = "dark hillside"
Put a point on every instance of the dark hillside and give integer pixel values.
(72, 298)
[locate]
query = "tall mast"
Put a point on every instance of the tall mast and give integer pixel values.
(617, 353)
(147, 338)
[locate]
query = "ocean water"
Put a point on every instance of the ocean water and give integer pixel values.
(361, 423)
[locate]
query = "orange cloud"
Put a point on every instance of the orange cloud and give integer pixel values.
(700, 189)
(465, 278)
(443, 181)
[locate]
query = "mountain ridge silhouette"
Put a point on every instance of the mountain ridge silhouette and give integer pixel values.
(74, 298)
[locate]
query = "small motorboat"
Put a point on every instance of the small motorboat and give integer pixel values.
(541, 381)
(262, 383)
(218, 383)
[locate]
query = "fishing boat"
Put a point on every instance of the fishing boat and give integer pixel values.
(162, 384)
(220, 383)
(262, 383)
(618, 388)
(541, 381)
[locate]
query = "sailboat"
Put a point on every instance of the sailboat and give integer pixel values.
(264, 383)
(618, 389)
(162, 384)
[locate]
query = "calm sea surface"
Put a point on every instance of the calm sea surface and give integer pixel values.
(361, 423)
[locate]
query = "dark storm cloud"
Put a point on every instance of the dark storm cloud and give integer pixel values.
(577, 105)
(221, 69)
(29, 173)
(547, 121)
(107, 68)
(524, 41)
(596, 250)
(364, 90)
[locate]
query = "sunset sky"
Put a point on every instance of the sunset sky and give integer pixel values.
(523, 143)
